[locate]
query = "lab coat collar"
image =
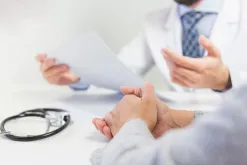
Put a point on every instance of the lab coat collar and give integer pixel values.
(228, 6)
(232, 9)
(168, 24)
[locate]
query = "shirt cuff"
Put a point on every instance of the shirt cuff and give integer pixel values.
(135, 127)
(198, 114)
(79, 86)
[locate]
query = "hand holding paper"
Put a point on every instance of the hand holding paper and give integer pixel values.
(89, 59)
(55, 74)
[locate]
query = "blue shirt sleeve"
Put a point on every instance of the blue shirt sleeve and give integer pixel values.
(79, 86)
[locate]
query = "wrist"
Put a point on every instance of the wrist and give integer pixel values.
(225, 80)
(181, 118)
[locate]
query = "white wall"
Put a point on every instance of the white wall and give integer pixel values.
(31, 26)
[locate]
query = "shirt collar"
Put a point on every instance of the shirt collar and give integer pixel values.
(205, 6)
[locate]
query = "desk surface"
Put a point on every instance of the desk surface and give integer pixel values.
(80, 139)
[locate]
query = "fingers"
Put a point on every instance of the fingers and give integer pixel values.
(208, 45)
(56, 70)
(186, 62)
(99, 123)
(101, 126)
(60, 76)
(41, 57)
(148, 92)
(56, 74)
(53, 73)
(47, 64)
(169, 62)
(109, 118)
(131, 91)
(94, 121)
(187, 74)
(107, 132)
(110, 123)
(181, 80)
(71, 76)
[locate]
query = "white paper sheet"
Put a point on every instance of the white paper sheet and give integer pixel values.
(91, 59)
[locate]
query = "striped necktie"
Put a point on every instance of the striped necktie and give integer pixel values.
(190, 38)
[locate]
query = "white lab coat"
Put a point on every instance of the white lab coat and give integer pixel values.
(162, 29)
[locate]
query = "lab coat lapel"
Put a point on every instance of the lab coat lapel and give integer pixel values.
(173, 30)
(226, 26)
(164, 31)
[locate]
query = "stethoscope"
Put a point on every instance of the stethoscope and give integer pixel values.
(60, 121)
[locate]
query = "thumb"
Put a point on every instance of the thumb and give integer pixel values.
(131, 91)
(41, 57)
(148, 93)
(209, 46)
(71, 76)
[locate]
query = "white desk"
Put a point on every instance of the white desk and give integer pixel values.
(74, 145)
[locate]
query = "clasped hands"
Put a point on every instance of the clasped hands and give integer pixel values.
(145, 105)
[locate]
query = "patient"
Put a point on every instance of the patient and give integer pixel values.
(216, 138)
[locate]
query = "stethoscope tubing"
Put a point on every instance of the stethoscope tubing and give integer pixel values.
(35, 113)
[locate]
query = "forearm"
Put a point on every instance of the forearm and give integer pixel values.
(183, 118)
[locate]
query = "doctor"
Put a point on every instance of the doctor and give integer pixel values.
(178, 28)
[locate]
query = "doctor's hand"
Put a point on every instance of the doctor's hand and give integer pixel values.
(53, 73)
(166, 117)
(207, 72)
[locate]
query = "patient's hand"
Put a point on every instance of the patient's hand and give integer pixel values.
(167, 118)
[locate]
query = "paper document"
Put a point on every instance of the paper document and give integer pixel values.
(93, 61)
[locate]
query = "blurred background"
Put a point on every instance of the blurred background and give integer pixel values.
(28, 27)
